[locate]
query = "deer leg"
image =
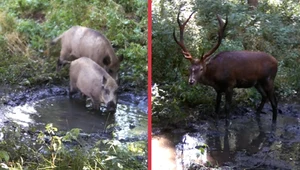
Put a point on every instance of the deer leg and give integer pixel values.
(228, 98)
(218, 101)
(263, 97)
(270, 93)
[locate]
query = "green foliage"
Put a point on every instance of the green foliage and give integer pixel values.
(272, 28)
(4, 156)
(133, 53)
(159, 99)
(127, 4)
(53, 149)
(34, 33)
(25, 8)
(72, 135)
(27, 27)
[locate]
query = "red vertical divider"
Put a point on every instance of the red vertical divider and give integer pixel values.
(149, 81)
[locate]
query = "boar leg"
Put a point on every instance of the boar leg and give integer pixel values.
(95, 104)
(83, 95)
(72, 91)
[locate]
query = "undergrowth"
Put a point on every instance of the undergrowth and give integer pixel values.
(54, 149)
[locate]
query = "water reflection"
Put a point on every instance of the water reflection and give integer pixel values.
(132, 122)
(20, 114)
(66, 114)
(242, 142)
(191, 150)
(163, 153)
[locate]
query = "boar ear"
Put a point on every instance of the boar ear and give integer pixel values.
(104, 80)
(121, 57)
(106, 60)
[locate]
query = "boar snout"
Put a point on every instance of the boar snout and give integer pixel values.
(111, 106)
(59, 65)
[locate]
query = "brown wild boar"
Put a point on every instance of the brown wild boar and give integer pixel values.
(80, 41)
(93, 81)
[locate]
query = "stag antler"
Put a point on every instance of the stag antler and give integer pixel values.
(222, 27)
(185, 52)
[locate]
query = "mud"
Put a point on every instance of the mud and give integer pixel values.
(15, 96)
(245, 141)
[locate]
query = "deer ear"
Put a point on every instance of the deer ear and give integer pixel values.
(208, 60)
(104, 80)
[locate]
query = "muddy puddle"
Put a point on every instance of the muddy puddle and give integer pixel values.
(244, 142)
(39, 107)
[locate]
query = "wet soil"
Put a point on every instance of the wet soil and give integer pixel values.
(245, 141)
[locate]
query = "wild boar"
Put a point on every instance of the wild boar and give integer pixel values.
(80, 41)
(94, 82)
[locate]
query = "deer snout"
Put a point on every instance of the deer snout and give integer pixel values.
(192, 81)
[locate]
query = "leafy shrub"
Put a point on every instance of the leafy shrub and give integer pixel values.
(53, 149)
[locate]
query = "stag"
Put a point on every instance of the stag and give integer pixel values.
(231, 69)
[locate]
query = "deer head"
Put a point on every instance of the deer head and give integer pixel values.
(198, 66)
